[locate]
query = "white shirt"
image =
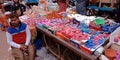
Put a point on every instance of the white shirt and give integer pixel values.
(13, 44)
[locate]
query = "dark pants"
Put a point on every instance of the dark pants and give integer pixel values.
(118, 14)
(81, 7)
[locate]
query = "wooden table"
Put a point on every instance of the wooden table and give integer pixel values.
(67, 45)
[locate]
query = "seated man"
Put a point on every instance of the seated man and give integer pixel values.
(18, 37)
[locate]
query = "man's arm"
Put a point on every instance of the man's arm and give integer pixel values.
(10, 42)
(28, 36)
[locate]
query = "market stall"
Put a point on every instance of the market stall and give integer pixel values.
(68, 35)
(67, 45)
(52, 37)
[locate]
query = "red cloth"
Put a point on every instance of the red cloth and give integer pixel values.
(95, 27)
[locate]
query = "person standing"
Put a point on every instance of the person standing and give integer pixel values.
(18, 8)
(3, 18)
(62, 5)
(19, 37)
(81, 6)
(30, 3)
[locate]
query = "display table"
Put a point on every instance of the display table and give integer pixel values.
(67, 45)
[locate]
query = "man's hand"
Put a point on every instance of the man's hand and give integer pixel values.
(23, 48)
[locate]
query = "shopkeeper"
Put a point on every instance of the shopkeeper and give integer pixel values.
(18, 8)
(19, 37)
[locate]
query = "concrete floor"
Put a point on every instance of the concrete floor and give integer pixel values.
(5, 52)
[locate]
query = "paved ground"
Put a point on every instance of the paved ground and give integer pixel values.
(5, 54)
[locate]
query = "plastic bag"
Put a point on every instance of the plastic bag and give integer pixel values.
(99, 21)
(38, 43)
(42, 52)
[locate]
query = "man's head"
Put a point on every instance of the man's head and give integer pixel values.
(16, 1)
(14, 20)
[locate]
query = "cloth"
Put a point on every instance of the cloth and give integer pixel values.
(20, 55)
(16, 45)
(94, 26)
(110, 28)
